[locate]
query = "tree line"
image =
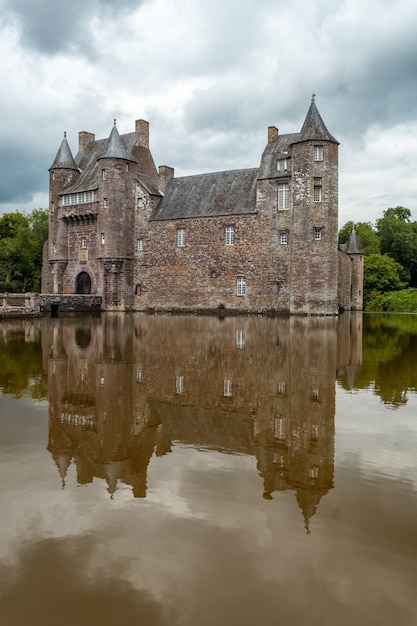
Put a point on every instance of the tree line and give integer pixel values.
(21, 241)
(390, 265)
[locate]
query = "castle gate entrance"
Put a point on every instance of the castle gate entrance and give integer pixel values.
(83, 284)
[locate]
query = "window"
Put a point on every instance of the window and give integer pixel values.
(282, 165)
(283, 197)
(53, 247)
(103, 238)
(138, 289)
(227, 388)
(318, 153)
(241, 286)
(52, 207)
(317, 189)
(181, 237)
(105, 202)
(240, 338)
(139, 245)
(83, 242)
(283, 238)
(127, 167)
(82, 197)
(103, 174)
(280, 428)
(179, 384)
(230, 235)
(317, 234)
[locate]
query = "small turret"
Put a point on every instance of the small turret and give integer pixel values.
(64, 159)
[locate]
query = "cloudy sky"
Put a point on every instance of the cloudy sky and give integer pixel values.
(210, 76)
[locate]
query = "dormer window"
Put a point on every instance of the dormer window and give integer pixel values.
(318, 153)
(282, 165)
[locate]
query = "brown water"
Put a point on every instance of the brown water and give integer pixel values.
(201, 472)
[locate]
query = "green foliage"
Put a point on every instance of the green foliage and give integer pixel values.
(21, 371)
(21, 239)
(400, 301)
(381, 274)
(398, 237)
(367, 236)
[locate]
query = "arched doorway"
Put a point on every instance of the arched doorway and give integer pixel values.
(83, 285)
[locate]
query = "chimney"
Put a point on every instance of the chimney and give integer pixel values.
(142, 127)
(272, 133)
(84, 139)
(165, 175)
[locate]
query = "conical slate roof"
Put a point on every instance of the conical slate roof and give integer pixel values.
(64, 158)
(314, 127)
(354, 245)
(115, 147)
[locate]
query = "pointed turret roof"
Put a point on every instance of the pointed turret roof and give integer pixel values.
(314, 127)
(64, 158)
(353, 244)
(115, 147)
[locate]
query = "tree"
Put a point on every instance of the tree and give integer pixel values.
(21, 240)
(398, 237)
(381, 274)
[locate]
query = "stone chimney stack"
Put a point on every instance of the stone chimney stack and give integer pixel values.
(165, 175)
(272, 133)
(84, 139)
(142, 127)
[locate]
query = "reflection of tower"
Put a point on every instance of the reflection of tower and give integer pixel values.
(349, 357)
(92, 418)
(296, 442)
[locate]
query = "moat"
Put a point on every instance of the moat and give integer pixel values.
(166, 470)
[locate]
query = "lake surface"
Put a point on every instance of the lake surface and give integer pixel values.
(193, 471)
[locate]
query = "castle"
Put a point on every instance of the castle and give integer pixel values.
(261, 239)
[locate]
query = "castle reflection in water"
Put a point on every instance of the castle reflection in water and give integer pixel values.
(122, 388)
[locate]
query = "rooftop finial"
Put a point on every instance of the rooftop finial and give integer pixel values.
(313, 97)
(65, 133)
(114, 121)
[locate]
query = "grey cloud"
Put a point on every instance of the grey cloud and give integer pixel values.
(52, 27)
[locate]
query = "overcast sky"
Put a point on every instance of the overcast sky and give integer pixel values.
(210, 76)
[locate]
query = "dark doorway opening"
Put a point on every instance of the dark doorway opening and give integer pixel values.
(83, 283)
(54, 310)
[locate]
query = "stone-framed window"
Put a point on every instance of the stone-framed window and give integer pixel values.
(230, 235)
(317, 234)
(317, 187)
(282, 165)
(83, 243)
(318, 153)
(283, 196)
(280, 428)
(139, 245)
(103, 238)
(241, 285)
(105, 202)
(103, 174)
(283, 239)
(181, 232)
(138, 289)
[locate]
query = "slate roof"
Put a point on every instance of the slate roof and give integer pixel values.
(354, 245)
(314, 127)
(209, 195)
(115, 147)
(64, 158)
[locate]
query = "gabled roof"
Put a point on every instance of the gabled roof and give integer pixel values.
(209, 195)
(64, 158)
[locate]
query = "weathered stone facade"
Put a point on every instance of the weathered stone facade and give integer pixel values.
(262, 239)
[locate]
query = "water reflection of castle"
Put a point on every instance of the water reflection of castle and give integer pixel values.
(124, 387)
